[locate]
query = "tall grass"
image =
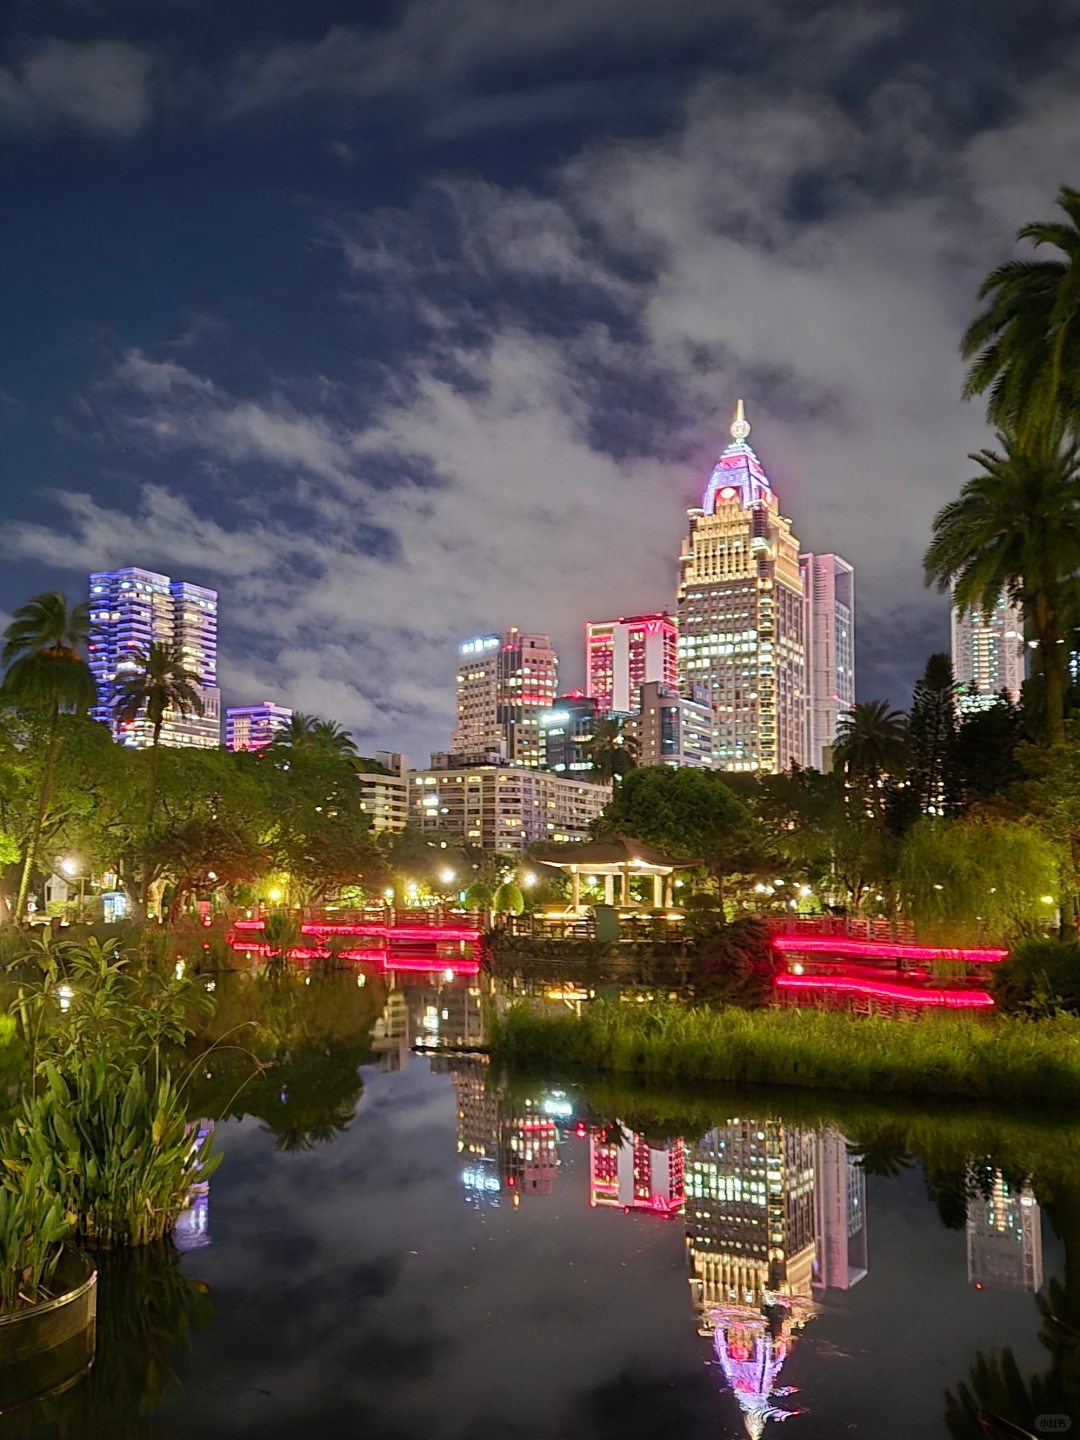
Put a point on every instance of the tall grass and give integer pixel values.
(1007, 1061)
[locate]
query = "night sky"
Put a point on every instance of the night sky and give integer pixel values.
(401, 322)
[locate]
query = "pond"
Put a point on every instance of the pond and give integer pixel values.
(396, 1246)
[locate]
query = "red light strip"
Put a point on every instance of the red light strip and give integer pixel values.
(377, 928)
(874, 949)
(384, 959)
(854, 985)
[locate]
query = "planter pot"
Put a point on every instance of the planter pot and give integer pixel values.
(48, 1347)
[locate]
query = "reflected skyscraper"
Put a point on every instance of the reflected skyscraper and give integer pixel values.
(1004, 1236)
(773, 1212)
(839, 1214)
(508, 1150)
(626, 1171)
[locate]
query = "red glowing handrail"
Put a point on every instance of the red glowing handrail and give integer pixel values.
(376, 928)
(882, 990)
(889, 950)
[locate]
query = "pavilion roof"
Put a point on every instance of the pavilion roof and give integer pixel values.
(609, 857)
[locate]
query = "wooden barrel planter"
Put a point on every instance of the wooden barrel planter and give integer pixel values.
(46, 1348)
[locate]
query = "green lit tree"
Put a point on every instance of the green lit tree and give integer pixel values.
(46, 673)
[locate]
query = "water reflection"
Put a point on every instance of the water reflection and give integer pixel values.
(608, 1259)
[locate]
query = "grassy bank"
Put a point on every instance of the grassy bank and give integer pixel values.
(1004, 1061)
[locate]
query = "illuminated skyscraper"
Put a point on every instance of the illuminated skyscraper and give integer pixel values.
(503, 687)
(251, 727)
(568, 730)
(988, 654)
(673, 729)
(1004, 1236)
(131, 609)
(622, 655)
(741, 615)
(829, 627)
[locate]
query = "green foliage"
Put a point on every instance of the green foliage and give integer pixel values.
(932, 728)
(984, 760)
(736, 964)
(508, 899)
(978, 870)
(161, 683)
(33, 1226)
(479, 896)
(690, 814)
(871, 743)
(1025, 346)
(1012, 1062)
(121, 1160)
(1040, 977)
(1015, 529)
(610, 756)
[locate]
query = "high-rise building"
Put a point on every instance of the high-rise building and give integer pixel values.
(673, 729)
(504, 685)
(503, 807)
(1004, 1235)
(568, 730)
(741, 615)
(253, 727)
(131, 609)
(622, 655)
(988, 653)
(829, 628)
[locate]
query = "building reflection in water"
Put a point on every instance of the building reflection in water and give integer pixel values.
(510, 1149)
(773, 1214)
(627, 1171)
(427, 1011)
(192, 1229)
(1004, 1234)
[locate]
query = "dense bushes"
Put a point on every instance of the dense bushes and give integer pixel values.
(1011, 1061)
(1041, 976)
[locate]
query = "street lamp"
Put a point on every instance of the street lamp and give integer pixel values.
(447, 876)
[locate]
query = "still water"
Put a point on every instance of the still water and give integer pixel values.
(394, 1247)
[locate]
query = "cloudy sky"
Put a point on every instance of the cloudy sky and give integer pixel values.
(428, 323)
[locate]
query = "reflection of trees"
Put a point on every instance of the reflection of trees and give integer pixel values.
(146, 1305)
(286, 1047)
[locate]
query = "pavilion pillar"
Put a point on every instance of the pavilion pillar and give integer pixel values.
(668, 897)
(657, 891)
(609, 889)
(624, 885)
(575, 890)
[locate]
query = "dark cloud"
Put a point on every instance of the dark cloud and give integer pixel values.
(428, 326)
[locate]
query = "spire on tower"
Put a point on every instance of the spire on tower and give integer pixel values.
(740, 426)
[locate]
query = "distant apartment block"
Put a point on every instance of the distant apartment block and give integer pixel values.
(568, 730)
(130, 609)
(503, 807)
(253, 727)
(384, 798)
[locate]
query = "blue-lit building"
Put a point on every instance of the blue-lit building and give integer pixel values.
(567, 730)
(132, 608)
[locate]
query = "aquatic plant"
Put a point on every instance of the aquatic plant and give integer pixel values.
(1014, 1061)
(33, 1226)
(120, 1161)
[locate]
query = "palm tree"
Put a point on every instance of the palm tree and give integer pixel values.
(1015, 529)
(871, 742)
(607, 750)
(1025, 346)
(46, 671)
(309, 735)
(162, 682)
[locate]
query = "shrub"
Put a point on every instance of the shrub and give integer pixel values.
(33, 1225)
(508, 899)
(1041, 976)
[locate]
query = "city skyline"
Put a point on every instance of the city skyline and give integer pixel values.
(389, 361)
